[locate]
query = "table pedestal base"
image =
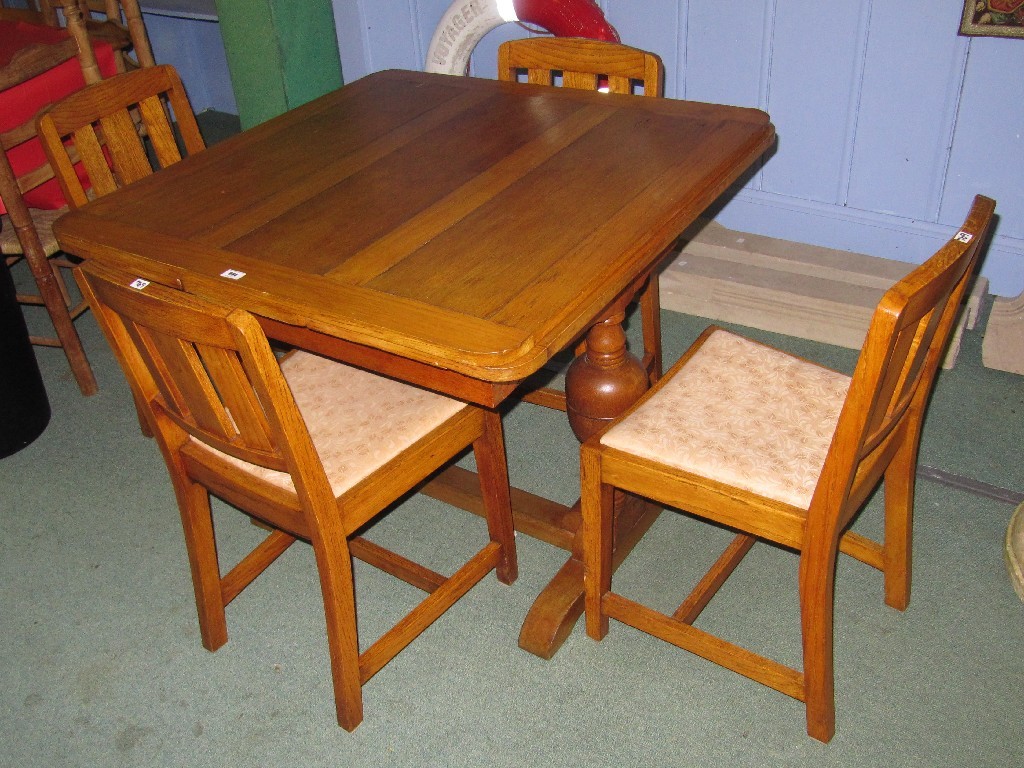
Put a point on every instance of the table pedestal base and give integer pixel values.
(600, 384)
(560, 604)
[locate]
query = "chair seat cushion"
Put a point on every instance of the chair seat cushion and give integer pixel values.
(358, 421)
(743, 414)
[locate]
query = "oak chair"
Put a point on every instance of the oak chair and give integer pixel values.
(27, 231)
(591, 65)
(779, 448)
(98, 123)
(312, 448)
(119, 130)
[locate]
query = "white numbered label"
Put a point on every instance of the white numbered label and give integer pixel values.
(233, 274)
(963, 237)
(138, 283)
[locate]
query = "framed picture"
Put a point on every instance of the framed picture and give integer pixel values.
(993, 18)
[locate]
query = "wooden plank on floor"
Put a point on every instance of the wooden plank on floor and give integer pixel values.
(790, 288)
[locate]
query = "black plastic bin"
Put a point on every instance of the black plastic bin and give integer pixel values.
(24, 407)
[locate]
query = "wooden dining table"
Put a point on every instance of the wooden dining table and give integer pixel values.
(452, 232)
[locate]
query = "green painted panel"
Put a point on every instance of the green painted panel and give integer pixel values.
(280, 53)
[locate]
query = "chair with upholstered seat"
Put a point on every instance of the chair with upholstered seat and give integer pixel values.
(310, 447)
(591, 65)
(778, 448)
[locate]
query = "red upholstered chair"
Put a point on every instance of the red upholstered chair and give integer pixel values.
(34, 75)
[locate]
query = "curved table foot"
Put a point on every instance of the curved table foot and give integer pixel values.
(558, 607)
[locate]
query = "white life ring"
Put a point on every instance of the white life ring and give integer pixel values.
(466, 22)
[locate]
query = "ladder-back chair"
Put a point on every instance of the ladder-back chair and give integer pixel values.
(117, 22)
(32, 201)
(778, 448)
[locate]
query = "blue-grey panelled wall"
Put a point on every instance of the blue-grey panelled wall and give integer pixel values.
(888, 121)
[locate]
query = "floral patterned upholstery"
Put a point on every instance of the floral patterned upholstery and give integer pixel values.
(743, 414)
(357, 420)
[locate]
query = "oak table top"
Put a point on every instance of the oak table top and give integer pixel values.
(460, 223)
(449, 231)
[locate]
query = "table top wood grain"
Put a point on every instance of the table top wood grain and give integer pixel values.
(462, 224)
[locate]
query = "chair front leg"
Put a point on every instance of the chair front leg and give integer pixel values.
(201, 546)
(817, 601)
(596, 502)
(334, 563)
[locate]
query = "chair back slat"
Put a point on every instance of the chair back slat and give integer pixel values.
(90, 150)
(127, 151)
(617, 84)
(189, 391)
(241, 403)
(581, 64)
(584, 81)
(158, 128)
(896, 369)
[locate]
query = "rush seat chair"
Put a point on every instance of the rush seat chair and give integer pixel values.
(31, 197)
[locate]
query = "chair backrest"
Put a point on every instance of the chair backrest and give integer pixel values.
(894, 375)
(201, 370)
(581, 63)
(99, 122)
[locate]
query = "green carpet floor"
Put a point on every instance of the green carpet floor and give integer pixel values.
(102, 664)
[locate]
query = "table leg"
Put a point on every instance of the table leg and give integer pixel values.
(600, 384)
